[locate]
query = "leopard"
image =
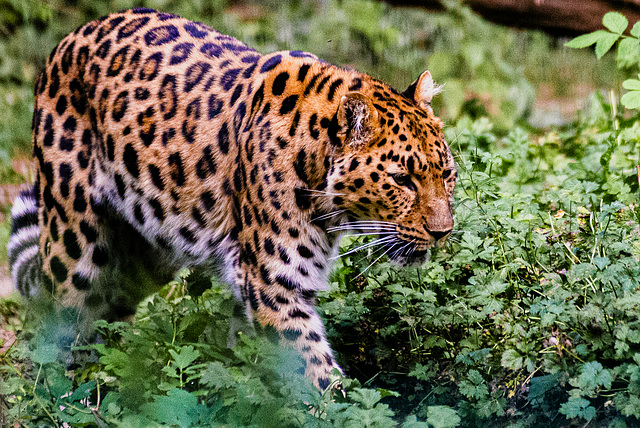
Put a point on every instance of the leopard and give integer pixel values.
(161, 144)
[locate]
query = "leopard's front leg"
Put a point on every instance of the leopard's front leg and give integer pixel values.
(300, 326)
(278, 279)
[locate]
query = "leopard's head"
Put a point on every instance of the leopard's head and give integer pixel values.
(393, 174)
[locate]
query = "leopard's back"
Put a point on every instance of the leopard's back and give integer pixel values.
(132, 94)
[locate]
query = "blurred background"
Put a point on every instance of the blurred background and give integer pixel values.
(514, 76)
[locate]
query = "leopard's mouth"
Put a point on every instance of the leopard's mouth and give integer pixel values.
(410, 249)
(391, 240)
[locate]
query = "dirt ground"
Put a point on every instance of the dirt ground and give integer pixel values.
(6, 287)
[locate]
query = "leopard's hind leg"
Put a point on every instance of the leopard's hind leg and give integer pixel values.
(91, 259)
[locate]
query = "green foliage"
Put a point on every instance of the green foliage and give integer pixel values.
(530, 313)
(628, 51)
(174, 368)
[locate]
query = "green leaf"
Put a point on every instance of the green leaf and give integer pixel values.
(540, 385)
(367, 397)
(578, 407)
(217, 376)
(635, 31)
(186, 356)
(413, 422)
(45, 353)
(387, 393)
(82, 391)
(474, 387)
(355, 417)
(631, 84)
(605, 43)
(442, 417)
(615, 22)
(113, 408)
(179, 407)
(601, 262)
(586, 40)
(511, 359)
(631, 100)
(594, 375)
(627, 52)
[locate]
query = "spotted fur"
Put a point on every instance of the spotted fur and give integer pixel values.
(162, 143)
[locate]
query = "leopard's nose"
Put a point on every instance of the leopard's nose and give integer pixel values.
(438, 235)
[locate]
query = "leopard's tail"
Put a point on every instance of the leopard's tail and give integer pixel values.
(23, 249)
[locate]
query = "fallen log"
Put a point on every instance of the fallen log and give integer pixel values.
(556, 17)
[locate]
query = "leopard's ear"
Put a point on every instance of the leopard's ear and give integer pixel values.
(423, 90)
(357, 119)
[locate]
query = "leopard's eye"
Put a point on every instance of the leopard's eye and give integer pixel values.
(404, 180)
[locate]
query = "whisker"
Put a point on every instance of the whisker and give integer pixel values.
(412, 243)
(368, 224)
(362, 228)
(379, 241)
(329, 215)
(387, 223)
(364, 225)
(374, 262)
(396, 253)
(367, 245)
(369, 234)
(371, 253)
(321, 192)
(412, 250)
(388, 226)
(400, 250)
